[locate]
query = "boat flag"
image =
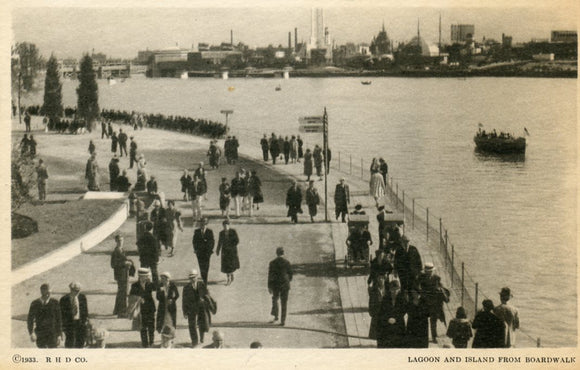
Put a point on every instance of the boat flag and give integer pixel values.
(526, 131)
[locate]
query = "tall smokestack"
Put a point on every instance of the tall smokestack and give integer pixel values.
(295, 38)
(232, 37)
(289, 40)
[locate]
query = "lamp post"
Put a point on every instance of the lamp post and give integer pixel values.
(227, 112)
(325, 157)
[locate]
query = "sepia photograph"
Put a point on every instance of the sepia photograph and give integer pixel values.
(296, 175)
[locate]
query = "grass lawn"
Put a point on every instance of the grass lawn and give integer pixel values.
(58, 224)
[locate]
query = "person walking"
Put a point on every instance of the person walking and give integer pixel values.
(265, 147)
(92, 147)
(122, 138)
(194, 309)
(293, 149)
(459, 329)
(376, 291)
(114, 142)
(142, 306)
(273, 144)
(317, 156)
(104, 131)
(377, 187)
(148, 248)
(327, 158)
(312, 200)
(279, 278)
(239, 190)
(196, 194)
(32, 145)
(121, 266)
(408, 265)
(225, 197)
(254, 192)
(123, 185)
(391, 320)
(294, 201)
(44, 320)
(417, 331)
(308, 164)
(341, 199)
(167, 296)
(92, 173)
(75, 315)
(202, 188)
(203, 244)
(27, 120)
(114, 172)
(186, 181)
(435, 294)
(489, 329)
(383, 169)
(41, 177)
(228, 244)
(173, 226)
(132, 152)
(509, 315)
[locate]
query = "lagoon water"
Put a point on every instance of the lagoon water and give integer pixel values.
(512, 222)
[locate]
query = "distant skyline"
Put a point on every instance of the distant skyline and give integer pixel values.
(122, 32)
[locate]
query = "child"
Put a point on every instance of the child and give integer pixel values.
(459, 329)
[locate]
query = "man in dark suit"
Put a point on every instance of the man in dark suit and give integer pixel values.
(75, 314)
(114, 172)
(122, 142)
(265, 147)
(341, 199)
(408, 265)
(203, 243)
(132, 152)
(141, 294)
(293, 201)
(45, 313)
(279, 278)
(193, 307)
(149, 251)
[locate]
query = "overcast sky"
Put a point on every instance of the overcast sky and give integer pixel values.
(121, 32)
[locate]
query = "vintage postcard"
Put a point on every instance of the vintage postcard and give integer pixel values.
(302, 184)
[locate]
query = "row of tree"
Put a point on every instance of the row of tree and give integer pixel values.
(27, 63)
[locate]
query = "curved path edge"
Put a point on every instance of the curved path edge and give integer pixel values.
(73, 248)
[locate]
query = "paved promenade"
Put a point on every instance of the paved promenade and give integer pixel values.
(328, 303)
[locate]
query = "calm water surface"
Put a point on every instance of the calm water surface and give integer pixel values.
(513, 222)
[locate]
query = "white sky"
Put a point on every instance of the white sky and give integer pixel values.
(122, 31)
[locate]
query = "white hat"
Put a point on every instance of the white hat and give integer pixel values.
(429, 266)
(166, 274)
(144, 271)
(193, 273)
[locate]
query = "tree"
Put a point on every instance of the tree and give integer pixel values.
(88, 93)
(52, 91)
(26, 62)
(23, 179)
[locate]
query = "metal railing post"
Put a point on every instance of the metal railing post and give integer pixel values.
(447, 252)
(350, 172)
(339, 161)
(361, 169)
(440, 234)
(476, 296)
(427, 224)
(462, 281)
(403, 211)
(413, 223)
(397, 197)
(452, 263)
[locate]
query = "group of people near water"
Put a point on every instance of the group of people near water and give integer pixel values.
(494, 134)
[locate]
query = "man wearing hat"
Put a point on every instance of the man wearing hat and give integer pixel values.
(408, 265)
(122, 183)
(122, 142)
(203, 244)
(132, 152)
(265, 147)
(435, 294)
(114, 172)
(293, 201)
(279, 278)
(148, 248)
(142, 294)
(312, 200)
(341, 199)
(194, 309)
(121, 266)
(75, 314)
(92, 173)
(509, 315)
(45, 314)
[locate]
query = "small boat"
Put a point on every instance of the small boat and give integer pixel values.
(278, 88)
(499, 144)
(366, 82)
